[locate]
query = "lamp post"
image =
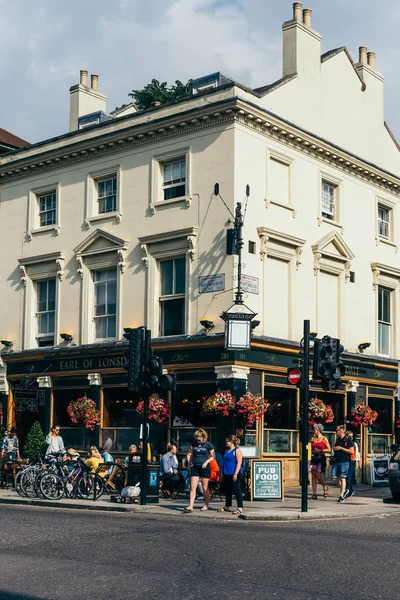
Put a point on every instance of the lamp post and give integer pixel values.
(239, 316)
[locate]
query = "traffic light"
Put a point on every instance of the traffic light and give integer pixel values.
(133, 366)
(327, 365)
(152, 372)
(167, 382)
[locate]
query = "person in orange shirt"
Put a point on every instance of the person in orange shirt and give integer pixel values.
(215, 473)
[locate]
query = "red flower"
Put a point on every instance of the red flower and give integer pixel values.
(319, 412)
(84, 411)
(220, 403)
(158, 408)
(362, 415)
(252, 406)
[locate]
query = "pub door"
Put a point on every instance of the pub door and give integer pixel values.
(24, 421)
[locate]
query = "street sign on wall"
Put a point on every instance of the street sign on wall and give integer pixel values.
(249, 284)
(211, 283)
(267, 480)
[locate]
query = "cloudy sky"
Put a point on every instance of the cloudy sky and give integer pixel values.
(45, 43)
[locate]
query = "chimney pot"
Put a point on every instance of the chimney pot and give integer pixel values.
(297, 6)
(362, 55)
(307, 17)
(83, 77)
(371, 59)
(94, 79)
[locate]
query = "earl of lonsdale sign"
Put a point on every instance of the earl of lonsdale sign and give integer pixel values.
(97, 362)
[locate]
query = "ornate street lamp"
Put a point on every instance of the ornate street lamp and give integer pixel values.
(239, 316)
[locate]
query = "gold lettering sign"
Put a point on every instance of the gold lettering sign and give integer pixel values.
(353, 371)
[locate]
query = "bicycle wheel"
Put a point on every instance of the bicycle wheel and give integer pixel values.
(52, 486)
(18, 486)
(38, 479)
(86, 485)
(28, 481)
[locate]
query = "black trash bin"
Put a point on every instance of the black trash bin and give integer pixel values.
(152, 479)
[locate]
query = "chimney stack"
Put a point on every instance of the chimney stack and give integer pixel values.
(85, 100)
(307, 17)
(94, 82)
(362, 55)
(371, 59)
(83, 77)
(297, 6)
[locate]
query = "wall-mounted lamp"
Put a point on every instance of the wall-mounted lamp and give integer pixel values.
(7, 344)
(207, 324)
(363, 346)
(254, 323)
(67, 337)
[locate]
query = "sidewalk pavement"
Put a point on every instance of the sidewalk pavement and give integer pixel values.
(367, 502)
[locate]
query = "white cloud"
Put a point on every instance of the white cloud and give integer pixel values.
(128, 42)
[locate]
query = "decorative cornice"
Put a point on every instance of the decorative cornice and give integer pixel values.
(208, 116)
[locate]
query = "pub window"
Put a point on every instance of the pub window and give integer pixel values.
(121, 422)
(172, 299)
(105, 303)
(73, 435)
(45, 312)
(280, 426)
(384, 408)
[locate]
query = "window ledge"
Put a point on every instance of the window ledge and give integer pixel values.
(382, 240)
(281, 205)
(330, 222)
(30, 233)
(116, 214)
(155, 205)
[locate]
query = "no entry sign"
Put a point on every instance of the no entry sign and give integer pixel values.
(294, 376)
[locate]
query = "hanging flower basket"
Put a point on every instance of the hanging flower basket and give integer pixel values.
(220, 403)
(251, 407)
(319, 412)
(158, 408)
(85, 412)
(362, 415)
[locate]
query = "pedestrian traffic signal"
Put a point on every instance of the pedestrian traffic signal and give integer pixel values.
(327, 365)
(133, 366)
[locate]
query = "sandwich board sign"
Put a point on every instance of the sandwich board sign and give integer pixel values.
(267, 480)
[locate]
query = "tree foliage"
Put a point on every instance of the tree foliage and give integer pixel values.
(35, 441)
(160, 92)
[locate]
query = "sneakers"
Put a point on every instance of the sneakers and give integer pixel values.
(341, 499)
(350, 495)
(346, 494)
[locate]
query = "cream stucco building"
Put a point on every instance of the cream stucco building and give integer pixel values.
(116, 223)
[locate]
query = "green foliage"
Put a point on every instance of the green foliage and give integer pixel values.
(160, 92)
(35, 441)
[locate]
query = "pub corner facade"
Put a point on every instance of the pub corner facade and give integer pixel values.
(115, 223)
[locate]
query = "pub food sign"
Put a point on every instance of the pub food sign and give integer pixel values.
(266, 480)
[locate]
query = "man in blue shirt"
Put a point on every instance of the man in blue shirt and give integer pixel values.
(169, 470)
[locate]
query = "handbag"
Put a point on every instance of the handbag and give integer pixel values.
(316, 459)
(332, 459)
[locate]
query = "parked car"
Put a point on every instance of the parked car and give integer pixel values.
(394, 472)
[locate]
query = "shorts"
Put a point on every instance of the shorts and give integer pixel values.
(340, 470)
(198, 471)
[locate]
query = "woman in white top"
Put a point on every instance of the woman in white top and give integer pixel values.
(54, 441)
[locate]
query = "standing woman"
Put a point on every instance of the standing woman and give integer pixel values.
(319, 447)
(232, 473)
(200, 455)
(54, 441)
